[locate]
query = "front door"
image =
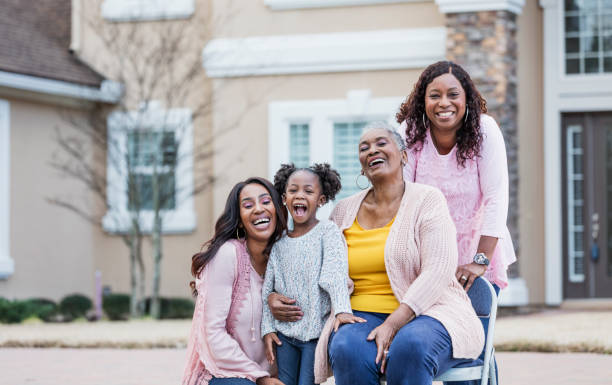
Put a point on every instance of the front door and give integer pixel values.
(587, 193)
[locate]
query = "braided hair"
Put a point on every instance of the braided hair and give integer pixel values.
(329, 179)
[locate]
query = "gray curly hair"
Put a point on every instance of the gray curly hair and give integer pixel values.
(397, 138)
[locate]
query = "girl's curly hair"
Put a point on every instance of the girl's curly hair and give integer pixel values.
(329, 179)
(469, 135)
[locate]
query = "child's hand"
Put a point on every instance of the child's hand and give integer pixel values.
(346, 318)
(269, 340)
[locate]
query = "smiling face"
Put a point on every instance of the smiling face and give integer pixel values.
(445, 103)
(257, 212)
(379, 155)
(303, 195)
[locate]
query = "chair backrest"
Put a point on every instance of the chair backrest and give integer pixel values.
(481, 294)
(484, 301)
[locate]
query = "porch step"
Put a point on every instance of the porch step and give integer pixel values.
(596, 304)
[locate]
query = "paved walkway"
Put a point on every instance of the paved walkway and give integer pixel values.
(26, 366)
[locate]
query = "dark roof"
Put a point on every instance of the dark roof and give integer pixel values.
(35, 40)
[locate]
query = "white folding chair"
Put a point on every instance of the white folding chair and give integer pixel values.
(484, 301)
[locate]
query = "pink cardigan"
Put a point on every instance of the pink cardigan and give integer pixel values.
(421, 259)
(225, 338)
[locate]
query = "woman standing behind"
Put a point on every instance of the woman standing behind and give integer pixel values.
(455, 147)
(225, 346)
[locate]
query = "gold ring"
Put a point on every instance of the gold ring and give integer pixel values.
(463, 278)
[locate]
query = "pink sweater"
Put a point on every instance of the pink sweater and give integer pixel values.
(225, 339)
(421, 259)
(477, 194)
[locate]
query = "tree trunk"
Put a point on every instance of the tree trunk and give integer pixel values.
(156, 238)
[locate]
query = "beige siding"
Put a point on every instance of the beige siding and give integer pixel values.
(531, 150)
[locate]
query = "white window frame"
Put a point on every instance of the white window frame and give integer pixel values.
(562, 93)
(182, 218)
(7, 265)
(146, 10)
(321, 116)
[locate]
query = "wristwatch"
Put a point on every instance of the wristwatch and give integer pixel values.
(481, 259)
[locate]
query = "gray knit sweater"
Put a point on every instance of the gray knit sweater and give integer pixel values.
(313, 270)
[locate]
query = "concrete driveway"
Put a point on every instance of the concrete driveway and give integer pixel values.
(27, 366)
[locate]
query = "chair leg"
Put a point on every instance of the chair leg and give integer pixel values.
(492, 372)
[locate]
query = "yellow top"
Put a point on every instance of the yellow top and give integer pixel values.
(366, 250)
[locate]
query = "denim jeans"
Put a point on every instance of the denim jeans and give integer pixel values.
(295, 360)
(485, 325)
(419, 351)
(230, 381)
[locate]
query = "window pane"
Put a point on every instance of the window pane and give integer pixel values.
(572, 24)
(606, 21)
(608, 64)
(590, 44)
(572, 45)
(591, 65)
(607, 44)
(299, 145)
(577, 215)
(145, 147)
(346, 159)
(141, 192)
(578, 164)
(571, 5)
(572, 66)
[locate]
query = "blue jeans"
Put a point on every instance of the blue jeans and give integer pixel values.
(230, 381)
(295, 360)
(419, 351)
(485, 325)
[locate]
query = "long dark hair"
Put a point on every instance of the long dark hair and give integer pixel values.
(226, 227)
(469, 136)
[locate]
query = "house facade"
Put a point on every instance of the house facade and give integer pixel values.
(297, 80)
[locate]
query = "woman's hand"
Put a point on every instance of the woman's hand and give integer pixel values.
(346, 318)
(383, 334)
(269, 381)
(282, 308)
(269, 340)
(466, 274)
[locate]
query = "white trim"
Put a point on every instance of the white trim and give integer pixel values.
(516, 294)
(330, 52)
(562, 93)
(321, 115)
(109, 92)
(283, 5)
(572, 227)
(180, 220)
(141, 10)
(457, 6)
(7, 265)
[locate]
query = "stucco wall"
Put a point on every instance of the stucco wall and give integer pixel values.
(531, 150)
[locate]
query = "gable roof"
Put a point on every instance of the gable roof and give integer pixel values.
(36, 40)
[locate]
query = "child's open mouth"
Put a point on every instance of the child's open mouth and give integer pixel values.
(299, 209)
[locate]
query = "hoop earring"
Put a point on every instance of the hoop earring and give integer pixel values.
(238, 234)
(357, 182)
(467, 113)
(424, 125)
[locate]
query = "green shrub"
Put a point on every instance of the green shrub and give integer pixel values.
(46, 309)
(116, 306)
(75, 305)
(177, 308)
(15, 311)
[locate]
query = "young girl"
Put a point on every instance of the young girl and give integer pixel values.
(308, 264)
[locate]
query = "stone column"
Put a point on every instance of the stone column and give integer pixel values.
(481, 37)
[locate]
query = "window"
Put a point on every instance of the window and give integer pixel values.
(575, 202)
(588, 36)
(328, 132)
(148, 148)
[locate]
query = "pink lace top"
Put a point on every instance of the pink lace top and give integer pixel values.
(477, 194)
(225, 339)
